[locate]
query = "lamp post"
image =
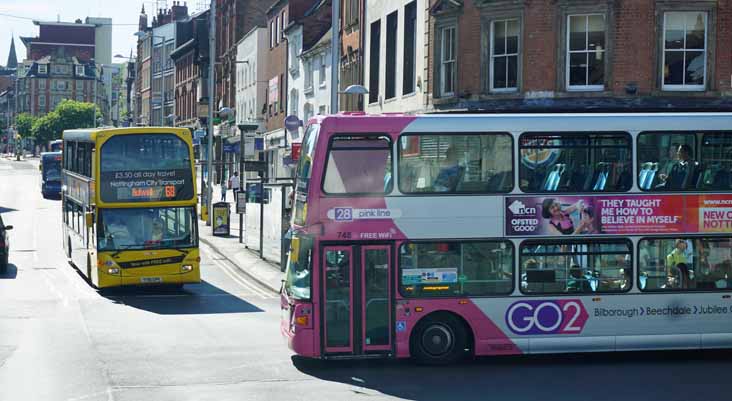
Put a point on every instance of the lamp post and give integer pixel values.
(211, 103)
(335, 57)
(144, 35)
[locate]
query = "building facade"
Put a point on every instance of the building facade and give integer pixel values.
(395, 66)
(309, 68)
(155, 75)
(44, 83)
(251, 89)
(351, 52)
(191, 70)
(234, 19)
(564, 55)
(163, 75)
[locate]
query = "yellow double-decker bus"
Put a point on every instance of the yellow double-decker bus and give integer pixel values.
(129, 206)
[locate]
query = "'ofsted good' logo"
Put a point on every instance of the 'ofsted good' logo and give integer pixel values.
(567, 316)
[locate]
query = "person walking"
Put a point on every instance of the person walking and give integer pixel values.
(234, 183)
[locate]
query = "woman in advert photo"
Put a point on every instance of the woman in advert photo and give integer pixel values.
(560, 219)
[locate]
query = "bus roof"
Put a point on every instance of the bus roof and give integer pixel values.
(90, 134)
(50, 154)
(525, 122)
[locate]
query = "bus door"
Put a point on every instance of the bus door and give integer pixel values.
(357, 295)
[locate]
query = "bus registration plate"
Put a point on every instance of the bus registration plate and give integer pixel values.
(151, 280)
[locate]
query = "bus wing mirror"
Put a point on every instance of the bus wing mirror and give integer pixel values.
(89, 219)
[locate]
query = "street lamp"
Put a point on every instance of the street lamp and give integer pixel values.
(358, 90)
(142, 36)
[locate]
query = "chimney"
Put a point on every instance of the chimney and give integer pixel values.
(179, 11)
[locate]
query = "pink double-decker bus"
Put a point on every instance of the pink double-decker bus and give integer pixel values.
(442, 236)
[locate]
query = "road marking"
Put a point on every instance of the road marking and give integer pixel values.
(237, 276)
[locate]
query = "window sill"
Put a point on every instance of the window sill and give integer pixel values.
(308, 90)
(582, 89)
(408, 95)
(391, 100)
(683, 89)
(322, 86)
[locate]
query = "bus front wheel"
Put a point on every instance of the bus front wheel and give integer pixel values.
(440, 338)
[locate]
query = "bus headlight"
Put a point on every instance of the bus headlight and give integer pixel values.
(186, 268)
(113, 270)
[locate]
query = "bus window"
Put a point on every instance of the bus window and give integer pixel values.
(473, 163)
(575, 162)
(667, 161)
(358, 164)
(299, 268)
(716, 162)
(303, 173)
(556, 267)
(685, 264)
(471, 268)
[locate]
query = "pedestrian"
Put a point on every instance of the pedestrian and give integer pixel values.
(223, 190)
(234, 183)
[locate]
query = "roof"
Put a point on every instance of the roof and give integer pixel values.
(322, 42)
(180, 50)
(58, 23)
(90, 134)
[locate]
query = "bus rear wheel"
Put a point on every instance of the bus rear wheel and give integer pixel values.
(439, 339)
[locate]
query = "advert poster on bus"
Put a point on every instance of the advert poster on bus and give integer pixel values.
(146, 185)
(621, 215)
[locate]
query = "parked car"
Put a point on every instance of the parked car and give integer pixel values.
(4, 246)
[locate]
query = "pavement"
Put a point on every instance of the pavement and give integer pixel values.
(266, 273)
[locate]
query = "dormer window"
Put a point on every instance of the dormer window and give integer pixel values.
(79, 70)
(42, 69)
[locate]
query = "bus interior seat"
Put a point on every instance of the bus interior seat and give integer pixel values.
(552, 179)
(603, 171)
(647, 175)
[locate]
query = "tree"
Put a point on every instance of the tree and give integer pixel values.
(24, 124)
(74, 115)
(47, 128)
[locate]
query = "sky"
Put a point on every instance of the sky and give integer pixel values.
(124, 14)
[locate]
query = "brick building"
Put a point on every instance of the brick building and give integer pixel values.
(234, 19)
(65, 62)
(44, 83)
(553, 55)
(191, 69)
(351, 52)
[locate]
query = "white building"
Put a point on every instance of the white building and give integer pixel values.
(395, 69)
(251, 89)
(309, 76)
(163, 73)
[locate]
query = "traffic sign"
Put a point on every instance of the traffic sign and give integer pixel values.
(292, 123)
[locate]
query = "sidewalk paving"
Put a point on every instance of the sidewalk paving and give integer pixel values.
(248, 261)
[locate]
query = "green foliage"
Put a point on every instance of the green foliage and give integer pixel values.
(73, 114)
(47, 128)
(24, 124)
(69, 114)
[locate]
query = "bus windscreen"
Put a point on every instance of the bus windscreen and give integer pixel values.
(145, 168)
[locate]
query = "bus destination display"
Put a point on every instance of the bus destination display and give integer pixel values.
(146, 186)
